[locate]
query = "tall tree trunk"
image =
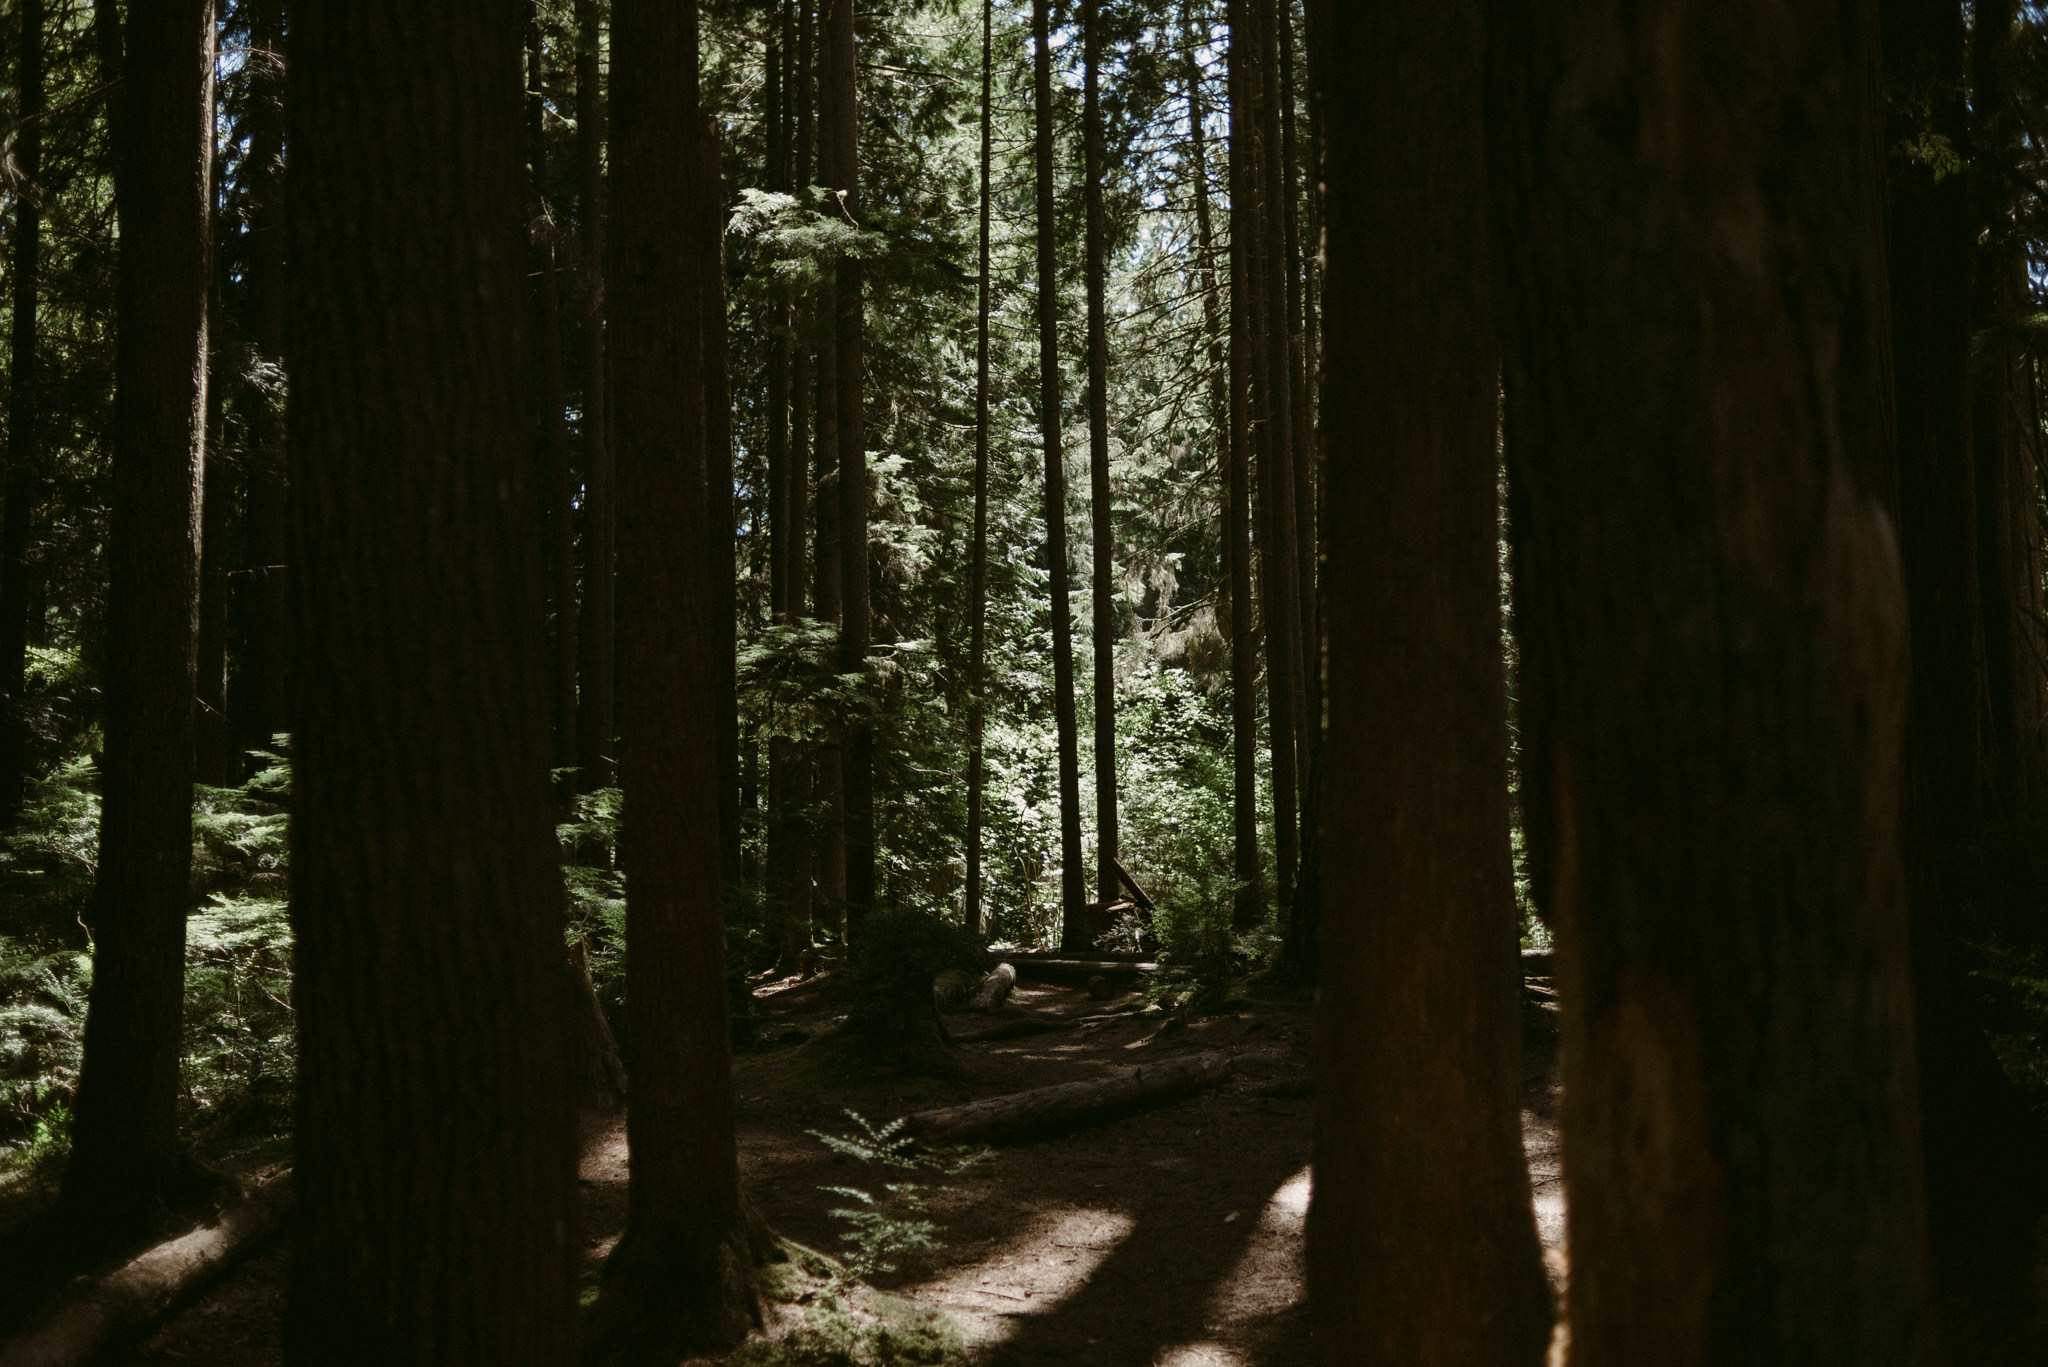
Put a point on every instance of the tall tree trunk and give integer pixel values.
(977, 582)
(21, 413)
(1073, 880)
(1422, 1245)
(855, 630)
(722, 524)
(1100, 510)
(126, 1160)
(210, 645)
(262, 695)
(680, 1280)
(435, 1148)
(558, 483)
(1275, 562)
(1713, 671)
(597, 665)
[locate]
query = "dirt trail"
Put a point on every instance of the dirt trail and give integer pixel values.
(1169, 1239)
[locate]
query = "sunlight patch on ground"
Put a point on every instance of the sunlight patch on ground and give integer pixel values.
(1262, 1277)
(1057, 1257)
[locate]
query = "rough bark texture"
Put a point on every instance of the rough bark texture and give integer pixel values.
(1102, 567)
(21, 408)
(1073, 878)
(680, 1279)
(1068, 1105)
(1422, 1245)
(436, 1159)
(596, 669)
(977, 575)
(1712, 625)
(720, 508)
(126, 1160)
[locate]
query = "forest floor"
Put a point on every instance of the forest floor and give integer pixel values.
(1172, 1238)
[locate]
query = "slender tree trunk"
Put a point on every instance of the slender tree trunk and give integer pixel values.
(830, 853)
(1226, 412)
(262, 694)
(722, 523)
(857, 756)
(21, 413)
(1422, 1246)
(680, 1280)
(977, 583)
(1100, 510)
(1249, 279)
(558, 479)
(126, 1159)
(597, 655)
(210, 646)
(1713, 671)
(1073, 879)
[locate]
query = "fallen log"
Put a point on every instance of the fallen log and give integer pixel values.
(1075, 969)
(994, 988)
(1016, 1028)
(1068, 1105)
(127, 1300)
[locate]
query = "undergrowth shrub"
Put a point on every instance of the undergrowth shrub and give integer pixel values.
(895, 955)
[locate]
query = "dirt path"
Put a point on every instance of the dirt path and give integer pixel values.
(1170, 1239)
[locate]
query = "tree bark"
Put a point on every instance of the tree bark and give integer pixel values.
(558, 481)
(127, 1162)
(722, 524)
(680, 1281)
(1713, 671)
(596, 644)
(1100, 510)
(977, 575)
(435, 1143)
(1422, 1245)
(1073, 880)
(210, 645)
(19, 494)
(262, 694)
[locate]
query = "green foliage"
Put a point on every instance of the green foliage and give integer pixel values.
(896, 954)
(886, 1227)
(42, 1019)
(596, 889)
(2000, 883)
(833, 1335)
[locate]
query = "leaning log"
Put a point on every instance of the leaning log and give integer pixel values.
(126, 1301)
(994, 988)
(1069, 1105)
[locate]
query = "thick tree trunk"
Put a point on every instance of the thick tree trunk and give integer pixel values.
(1100, 510)
(597, 664)
(21, 412)
(977, 575)
(680, 1281)
(436, 1158)
(126, 1159)
(1422, 1245)
(721, 517)
(558, 480)
(1713, 671)
(262, 710)
(839, 68)
(1073, 879)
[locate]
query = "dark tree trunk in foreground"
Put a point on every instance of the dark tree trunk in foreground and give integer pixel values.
(21, 412)
(977, 581)
(680, 1280)
(126, 1160)
(1712, 624)
(435, 1150)
(1422, 1245)
(210, 645)
(596, 667)
(1073, 878)
(261, 712)
(558, 481)
(857, 763)
(1099, 507)
(1984, 1154)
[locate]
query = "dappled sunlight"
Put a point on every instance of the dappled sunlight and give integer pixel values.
(1039, 1268)
(1262, 1276)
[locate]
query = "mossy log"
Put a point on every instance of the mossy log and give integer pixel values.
(1069, 1105)
(127, 1300)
